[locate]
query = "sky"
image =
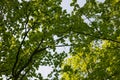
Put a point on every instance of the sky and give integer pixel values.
(66, 4)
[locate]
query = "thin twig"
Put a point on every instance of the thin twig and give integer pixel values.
(24, 74)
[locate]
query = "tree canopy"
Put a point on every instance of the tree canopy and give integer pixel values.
(30, 32)
(99, 63)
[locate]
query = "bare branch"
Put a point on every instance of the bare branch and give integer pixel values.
(17, 56)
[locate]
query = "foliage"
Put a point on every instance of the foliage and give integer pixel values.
(98, 57)
(99, 63)
(28, 30)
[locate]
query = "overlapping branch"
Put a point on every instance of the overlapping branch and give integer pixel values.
(18, 52)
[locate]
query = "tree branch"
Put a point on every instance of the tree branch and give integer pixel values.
(97, 37)
(30, 59)
(17, 56)
(24, 74)
(93, 25)
(37, 50)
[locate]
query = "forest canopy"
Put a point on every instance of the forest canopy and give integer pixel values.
(32, 30)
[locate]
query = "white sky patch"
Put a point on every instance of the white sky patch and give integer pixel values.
(102, 1)
(88, 20)
(20, 1)
(44, 70)
(3, 77)
(81, 2)
(66, 5)
(63, 48)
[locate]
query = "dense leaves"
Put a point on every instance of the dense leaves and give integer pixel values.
(97, 56)
(31, 31)
(100, 62)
